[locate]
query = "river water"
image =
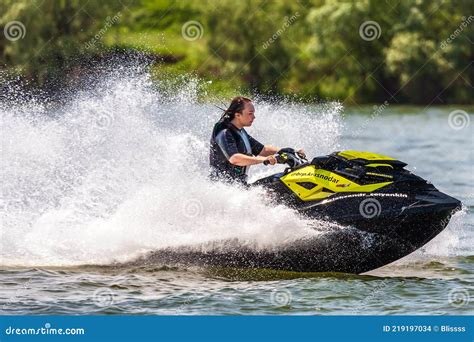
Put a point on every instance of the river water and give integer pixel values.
(120, 171)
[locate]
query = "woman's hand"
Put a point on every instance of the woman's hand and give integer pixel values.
(301, 152)
(270, 160)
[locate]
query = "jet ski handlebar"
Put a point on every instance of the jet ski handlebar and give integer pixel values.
(289, 156)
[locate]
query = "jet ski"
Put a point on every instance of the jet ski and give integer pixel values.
(382, 213)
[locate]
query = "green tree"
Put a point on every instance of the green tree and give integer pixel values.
(427, 68)
(249, 41)
(342, 64)
(55, 34)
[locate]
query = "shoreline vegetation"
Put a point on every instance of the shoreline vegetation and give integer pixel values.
(359, 52)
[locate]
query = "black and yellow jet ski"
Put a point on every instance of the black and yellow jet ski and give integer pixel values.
(383, 211)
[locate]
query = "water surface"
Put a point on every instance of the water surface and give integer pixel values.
(121, 171)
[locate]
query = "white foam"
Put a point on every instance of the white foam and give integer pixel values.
(122, 170)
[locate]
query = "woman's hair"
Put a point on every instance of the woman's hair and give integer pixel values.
(237, 105)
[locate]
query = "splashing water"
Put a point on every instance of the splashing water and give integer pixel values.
(122, 170)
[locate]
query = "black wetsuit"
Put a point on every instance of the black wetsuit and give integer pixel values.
(226, 141)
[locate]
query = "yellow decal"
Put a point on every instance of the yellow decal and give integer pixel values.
(349, 154)
(378, 174)
(377, 165)
(326, 183)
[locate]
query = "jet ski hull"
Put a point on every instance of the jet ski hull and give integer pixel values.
(412, 217)
(356, 248)
(382, 213)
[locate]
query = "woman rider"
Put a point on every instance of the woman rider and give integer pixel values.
(233, 150)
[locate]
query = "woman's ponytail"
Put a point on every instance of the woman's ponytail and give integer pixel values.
(237, 105)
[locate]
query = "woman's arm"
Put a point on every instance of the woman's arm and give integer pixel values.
(241, 159)
(269, 150)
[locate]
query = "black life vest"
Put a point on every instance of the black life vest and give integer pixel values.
(221, 168)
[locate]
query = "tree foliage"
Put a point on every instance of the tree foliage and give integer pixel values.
(422, 50)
